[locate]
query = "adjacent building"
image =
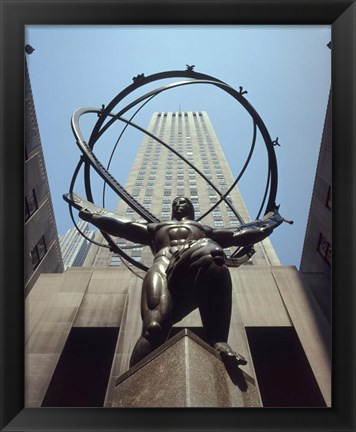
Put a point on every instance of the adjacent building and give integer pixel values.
(75, 246)
(42, 252)
(317, 251)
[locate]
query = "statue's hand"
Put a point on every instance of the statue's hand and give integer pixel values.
(87, 215)
(257, 231)
(91, 216)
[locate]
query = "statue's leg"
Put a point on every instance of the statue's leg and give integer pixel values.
(215, 299)
(214, 287)
(156, 312)
(215, 303)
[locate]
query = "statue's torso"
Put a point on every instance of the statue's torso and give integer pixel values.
(167, 237)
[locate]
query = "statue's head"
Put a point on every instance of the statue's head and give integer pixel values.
(182, 207)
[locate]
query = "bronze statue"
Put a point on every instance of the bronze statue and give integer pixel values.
(190, 268)
(188, 271)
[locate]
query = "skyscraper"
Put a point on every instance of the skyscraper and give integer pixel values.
(74, 246)
(158, 176)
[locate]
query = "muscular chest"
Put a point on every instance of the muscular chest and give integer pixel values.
(178, 234)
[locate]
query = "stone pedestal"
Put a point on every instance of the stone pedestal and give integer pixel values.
(185, 372)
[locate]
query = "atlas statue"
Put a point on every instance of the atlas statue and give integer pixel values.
(190, 269)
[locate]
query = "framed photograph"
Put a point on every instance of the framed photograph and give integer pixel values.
(282, 322)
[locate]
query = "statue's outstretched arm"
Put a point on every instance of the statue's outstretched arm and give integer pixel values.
(248, 234)
(110, 222)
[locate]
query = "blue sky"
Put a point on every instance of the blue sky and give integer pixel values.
(285, 69)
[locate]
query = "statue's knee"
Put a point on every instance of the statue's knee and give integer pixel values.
(152, 330)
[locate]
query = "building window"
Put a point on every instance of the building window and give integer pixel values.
(138, 259)
(136, 252)
(234, 223)
(115, 261)
(38, 252)
(30, 205)
(149, 191)
(219, 223)
(328, 199)
(324, 248)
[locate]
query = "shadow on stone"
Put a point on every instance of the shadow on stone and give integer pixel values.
(235, 373)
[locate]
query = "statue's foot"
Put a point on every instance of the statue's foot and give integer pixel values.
(228, 354)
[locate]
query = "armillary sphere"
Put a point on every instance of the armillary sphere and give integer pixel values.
(107, 117)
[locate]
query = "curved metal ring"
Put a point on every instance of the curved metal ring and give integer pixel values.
(90, 160)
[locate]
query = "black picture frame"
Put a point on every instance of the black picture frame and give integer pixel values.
(15, 15)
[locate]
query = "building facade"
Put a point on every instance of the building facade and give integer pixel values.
(82, 325)
(42, 251)
(158, 176)
(317, 250)
(75, 246)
